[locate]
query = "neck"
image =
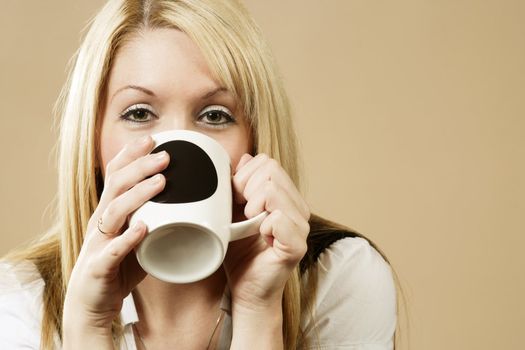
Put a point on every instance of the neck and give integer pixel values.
(163, 303)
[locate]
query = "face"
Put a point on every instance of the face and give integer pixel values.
(160, 81)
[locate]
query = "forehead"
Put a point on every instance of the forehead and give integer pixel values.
(164, 58)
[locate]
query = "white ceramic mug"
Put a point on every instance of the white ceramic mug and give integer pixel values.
(190, 222)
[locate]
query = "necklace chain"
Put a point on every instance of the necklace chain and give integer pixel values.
(209, 341)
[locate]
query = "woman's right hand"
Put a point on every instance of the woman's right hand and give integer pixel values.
(105, 271)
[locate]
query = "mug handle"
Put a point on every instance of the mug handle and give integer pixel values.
(248, 227)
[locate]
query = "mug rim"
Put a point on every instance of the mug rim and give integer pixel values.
(204, 273)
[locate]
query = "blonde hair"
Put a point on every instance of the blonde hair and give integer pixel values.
(237, 55)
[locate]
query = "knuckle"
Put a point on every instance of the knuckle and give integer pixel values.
(249, 210)
(277, 214)
(269, 188)
(112, 209)
(115, 183)
(273, 164)
(111, 180)
(307, 211)
(253, 208)
(302, 249)
(269, 194)
(237, 181)
(262, 156)
(141, 165)
(247, 191)
(246, 194)
(304, 227)
(113, 251)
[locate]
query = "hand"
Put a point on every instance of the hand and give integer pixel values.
(105, 271)
(258, 267)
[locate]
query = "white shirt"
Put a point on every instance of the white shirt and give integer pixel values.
(355, 303)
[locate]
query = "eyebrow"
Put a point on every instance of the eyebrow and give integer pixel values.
(134, 87)
(151, 93)
(214, 92)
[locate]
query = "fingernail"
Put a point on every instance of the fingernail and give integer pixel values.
(144, 139)
(156, 178)
(136, 227)
(161, 155)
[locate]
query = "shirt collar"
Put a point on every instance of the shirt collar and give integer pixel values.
(128, 313)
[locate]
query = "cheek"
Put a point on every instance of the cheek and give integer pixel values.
(237, 147)
(110, 146)
(235, 161)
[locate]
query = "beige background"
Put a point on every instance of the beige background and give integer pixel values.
(411, 116)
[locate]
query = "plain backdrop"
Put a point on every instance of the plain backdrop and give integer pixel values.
(411, 118)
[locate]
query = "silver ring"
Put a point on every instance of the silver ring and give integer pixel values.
(100, 230)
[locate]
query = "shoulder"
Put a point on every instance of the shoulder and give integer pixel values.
(355, 303)
(18, 276)
(352, 266)
(21, 289)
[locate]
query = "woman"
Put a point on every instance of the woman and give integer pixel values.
(150, 66)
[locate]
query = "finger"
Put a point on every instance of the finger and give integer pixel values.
(132, 272)
(272, 197)
(131, 151)
(272, 171)
(242, 162)
(286, 237)
(237, 197)
(131, 174)
(117, 211)
(241, 177)
(119, 247)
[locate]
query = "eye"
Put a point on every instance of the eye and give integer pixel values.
(137, 114)
(216, 116)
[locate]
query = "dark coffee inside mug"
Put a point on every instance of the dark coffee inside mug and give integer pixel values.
(190, 175)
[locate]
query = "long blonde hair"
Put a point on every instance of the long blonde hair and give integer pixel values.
(237, 55)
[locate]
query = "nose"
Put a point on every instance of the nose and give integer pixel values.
(178, 121)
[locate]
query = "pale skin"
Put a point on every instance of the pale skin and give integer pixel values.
(171, 67)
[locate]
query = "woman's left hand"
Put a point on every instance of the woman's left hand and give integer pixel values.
(258, 267)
